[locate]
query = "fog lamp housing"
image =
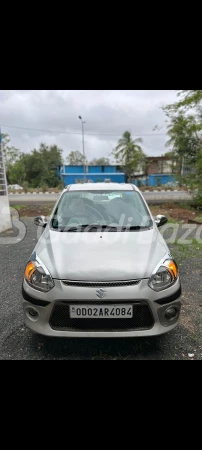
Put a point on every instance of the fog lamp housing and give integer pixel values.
(171, 313)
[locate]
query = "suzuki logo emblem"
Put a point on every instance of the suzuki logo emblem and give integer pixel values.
(101, 293)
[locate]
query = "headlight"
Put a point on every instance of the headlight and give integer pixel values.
(165, 276)
(37, 275)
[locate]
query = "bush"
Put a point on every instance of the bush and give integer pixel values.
(44, 187)
(25, 186)
(159, 182)
(60, 186)
(197, 199)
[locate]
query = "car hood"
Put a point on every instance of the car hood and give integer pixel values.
(96, 256)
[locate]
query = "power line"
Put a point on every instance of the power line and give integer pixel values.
(38, 130)
(79, 134)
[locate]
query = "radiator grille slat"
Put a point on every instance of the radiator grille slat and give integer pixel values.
(101, 284)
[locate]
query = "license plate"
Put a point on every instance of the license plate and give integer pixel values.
(101, 312)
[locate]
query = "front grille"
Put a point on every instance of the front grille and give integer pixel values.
(142, 318)
(101, 284)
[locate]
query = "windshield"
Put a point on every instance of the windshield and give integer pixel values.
(115, 210)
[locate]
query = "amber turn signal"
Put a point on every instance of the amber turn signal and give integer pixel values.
(30, 269)
(172, 267)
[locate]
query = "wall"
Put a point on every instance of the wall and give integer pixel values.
(72, 174)
(95, 177)
(155, 180)
(5, 221)
(160, 165)
(89, 169)
(158, 170)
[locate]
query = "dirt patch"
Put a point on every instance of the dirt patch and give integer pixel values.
(34, 210)
(187, 319)
(176, 213)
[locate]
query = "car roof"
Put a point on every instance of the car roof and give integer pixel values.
(102, 187)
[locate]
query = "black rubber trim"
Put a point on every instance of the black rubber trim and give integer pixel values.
(172, 298)
(34, 301)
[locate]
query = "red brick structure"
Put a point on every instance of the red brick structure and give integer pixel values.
(158, 165)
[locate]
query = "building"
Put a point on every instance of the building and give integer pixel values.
(95, 174)
(156, 171)
(5, 222)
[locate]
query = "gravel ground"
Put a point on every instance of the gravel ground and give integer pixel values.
(18, 343)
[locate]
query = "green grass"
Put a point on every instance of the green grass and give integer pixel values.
(186, 205)
(175, 221)
(19, 207)
(195, 338)
(185, 251)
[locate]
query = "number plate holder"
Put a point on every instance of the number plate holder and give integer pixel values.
(101, 311)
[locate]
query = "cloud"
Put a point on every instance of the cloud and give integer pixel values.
(106, 112)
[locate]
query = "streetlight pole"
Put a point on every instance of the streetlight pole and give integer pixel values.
(83, 140)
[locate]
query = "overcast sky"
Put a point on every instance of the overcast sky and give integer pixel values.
(106, 112)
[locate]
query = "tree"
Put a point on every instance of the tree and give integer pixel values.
(5, 139)
(51, 157)
(185, 139)
(174, 159)
(35, 169)
(129, 154)
(11, 154)
(100, 162)
(188, 99)
(41, 165)
(17, 173)
(182, 132)
(76, 158)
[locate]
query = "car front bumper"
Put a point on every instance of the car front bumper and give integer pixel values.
(43, 306)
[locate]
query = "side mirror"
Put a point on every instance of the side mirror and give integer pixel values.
(161, 220)
(41, 221)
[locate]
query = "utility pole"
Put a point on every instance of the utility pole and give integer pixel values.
(83, 140)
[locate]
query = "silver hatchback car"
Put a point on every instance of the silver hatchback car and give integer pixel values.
(101, 268)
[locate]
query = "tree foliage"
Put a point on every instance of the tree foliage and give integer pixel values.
(40, 166)
(185, 137)
(183, 141)
(100, 162)
(76, 158)
(34, 169)
(11, 154)
(188, 99)
(129, 154)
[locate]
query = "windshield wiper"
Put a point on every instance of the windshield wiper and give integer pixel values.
(97, 226)
(134, 228)
(90, 226)
(139, 228)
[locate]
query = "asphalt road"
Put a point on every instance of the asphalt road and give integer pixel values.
(151, 197)
(18, 343)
